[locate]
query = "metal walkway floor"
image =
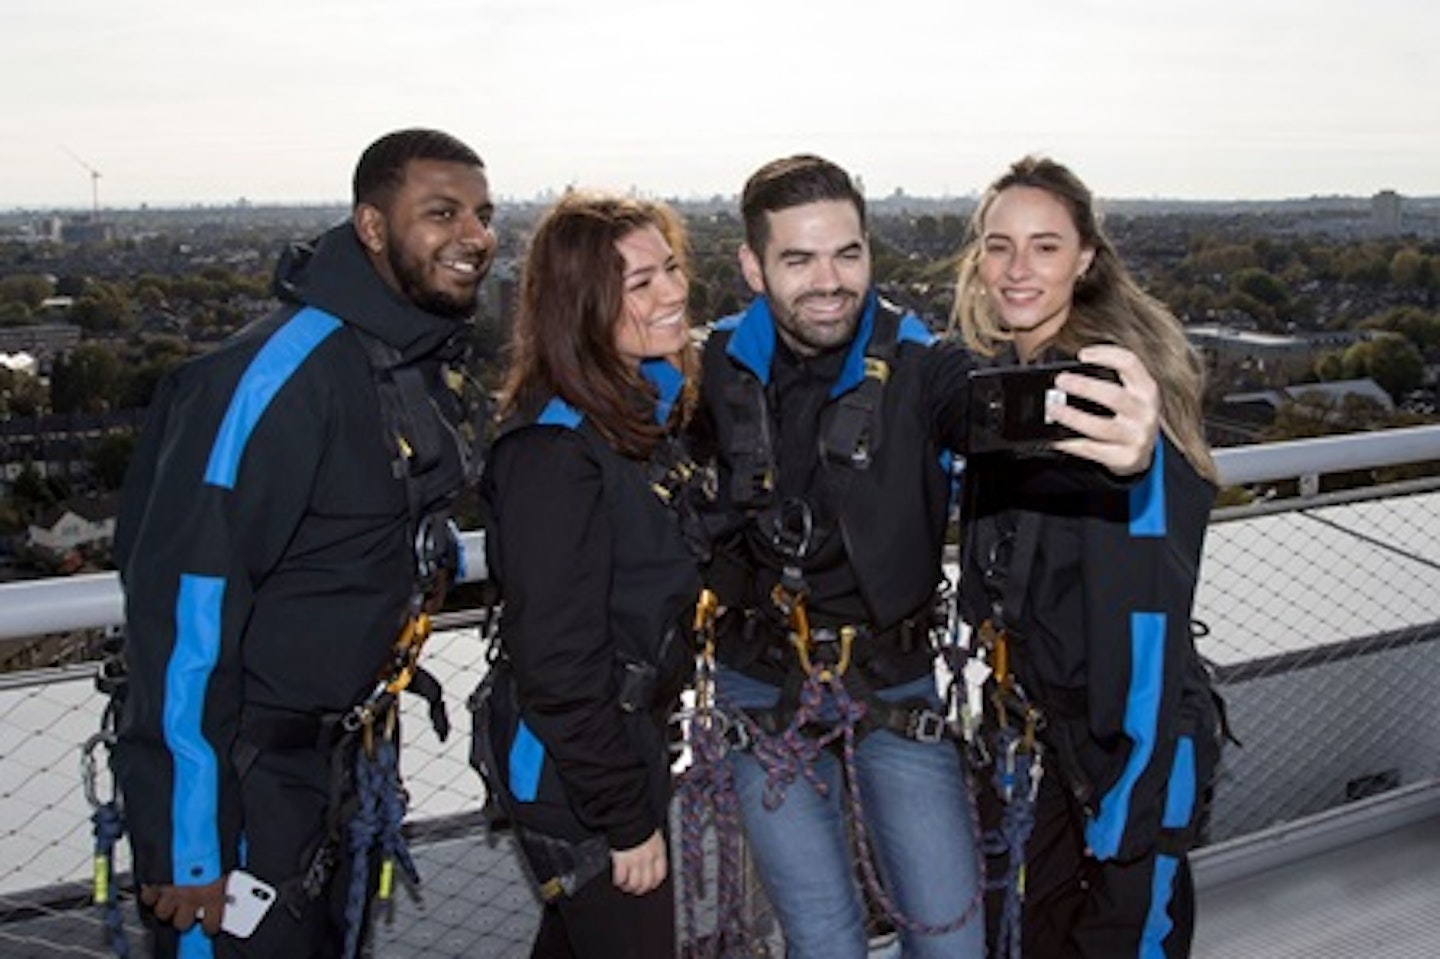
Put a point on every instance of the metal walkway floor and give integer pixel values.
(1361, 882)
(1355, 883)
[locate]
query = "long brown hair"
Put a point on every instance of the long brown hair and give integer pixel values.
(1108, 306)
(571, 296)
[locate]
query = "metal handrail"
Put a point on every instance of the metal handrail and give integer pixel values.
(94, 600)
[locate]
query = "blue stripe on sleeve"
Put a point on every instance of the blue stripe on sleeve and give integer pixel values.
(268, 371)
(526, 757)
(1181, 790)
(1147, 498)
(194, 944)
(1142, 712)
(1157, 919)
(195, 805)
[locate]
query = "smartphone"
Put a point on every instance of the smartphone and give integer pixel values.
(247, 900)
(1009, 404)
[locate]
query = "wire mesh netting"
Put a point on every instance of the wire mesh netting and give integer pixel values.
(1320, 621)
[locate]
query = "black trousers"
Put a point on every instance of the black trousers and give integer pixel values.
(286, 796)
(1077, 907)
(601, 922)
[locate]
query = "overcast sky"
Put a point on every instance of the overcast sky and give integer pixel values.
(209, 102)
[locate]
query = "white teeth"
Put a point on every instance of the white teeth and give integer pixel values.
(463, 266)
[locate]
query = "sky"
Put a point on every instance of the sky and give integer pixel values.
(206, 102)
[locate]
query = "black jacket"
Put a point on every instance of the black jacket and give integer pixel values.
(595, 574)
(1098, 592)
(885, 524)
(263, 544)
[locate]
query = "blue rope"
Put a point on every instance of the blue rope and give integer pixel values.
(109, 828)
(1015, 783)
(376, 824)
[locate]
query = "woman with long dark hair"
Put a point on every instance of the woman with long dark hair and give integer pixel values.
(587, 494)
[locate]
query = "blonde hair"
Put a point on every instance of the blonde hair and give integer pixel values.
(1107, 306)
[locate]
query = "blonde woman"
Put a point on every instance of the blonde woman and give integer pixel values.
(1090, 587)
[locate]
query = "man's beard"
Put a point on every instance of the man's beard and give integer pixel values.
(787, 318)
(411, 277)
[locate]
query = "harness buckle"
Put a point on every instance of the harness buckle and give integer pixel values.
(926, 726)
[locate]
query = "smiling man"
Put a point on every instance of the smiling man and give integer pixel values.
(266, 545)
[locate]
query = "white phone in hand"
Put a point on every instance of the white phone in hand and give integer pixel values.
(247, 899)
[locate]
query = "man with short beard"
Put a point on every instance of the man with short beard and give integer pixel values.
(267, 546)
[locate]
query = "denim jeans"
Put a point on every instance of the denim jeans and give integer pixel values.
(920, 818)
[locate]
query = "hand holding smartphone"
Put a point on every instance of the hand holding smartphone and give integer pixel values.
(1009, 405)
(247, 900)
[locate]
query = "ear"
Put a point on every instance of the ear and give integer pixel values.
(751, 268)
(370, 228)
(1087, 256)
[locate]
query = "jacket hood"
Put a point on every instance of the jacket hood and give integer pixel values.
(334, 274)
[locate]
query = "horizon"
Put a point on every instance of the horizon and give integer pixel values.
(546, 197)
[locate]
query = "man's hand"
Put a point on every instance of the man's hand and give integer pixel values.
(183, 906)
(641, 868)
(1124, 443)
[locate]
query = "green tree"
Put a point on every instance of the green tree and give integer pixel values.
(27, 288)
(1396, 365)
(109, 458)
(21, 394)
(88, 380)
(1391, 361)
(1262, 285)
(1410, 268)
(16, 313)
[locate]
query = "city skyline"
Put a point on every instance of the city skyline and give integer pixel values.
(158, 104)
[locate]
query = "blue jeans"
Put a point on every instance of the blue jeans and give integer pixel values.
(920, 819)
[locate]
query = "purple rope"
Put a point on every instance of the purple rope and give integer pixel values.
(706, 791)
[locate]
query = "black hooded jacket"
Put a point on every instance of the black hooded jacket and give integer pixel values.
(263, 542)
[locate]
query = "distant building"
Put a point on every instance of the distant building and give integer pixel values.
(83, 230)
(1265, 359)
(1385, 212)
(77, 524)
(44, 341)
(20, 362)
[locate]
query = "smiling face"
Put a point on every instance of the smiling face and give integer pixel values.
(652, 320)
(432, 241)
(1031, 255)
(815, 270)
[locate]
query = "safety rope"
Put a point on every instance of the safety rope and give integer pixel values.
(375, 827)
(1017, 782)
(706, 794)
(381, 801)
(803, 751)
(106, 813)
(109, 826)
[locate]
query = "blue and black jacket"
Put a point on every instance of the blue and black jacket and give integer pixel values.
(1097, 599)
(263, 545)
(886, 519)
(598, 582)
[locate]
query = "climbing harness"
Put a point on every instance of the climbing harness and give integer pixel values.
(833, 708)
(1013, 750)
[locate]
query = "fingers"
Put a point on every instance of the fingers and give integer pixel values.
(642, 868)
(184, 906)
(1125, 442)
